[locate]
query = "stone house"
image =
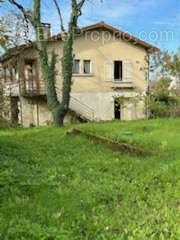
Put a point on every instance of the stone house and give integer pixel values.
(107, 63)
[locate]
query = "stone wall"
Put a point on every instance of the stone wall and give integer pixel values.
(35, 112)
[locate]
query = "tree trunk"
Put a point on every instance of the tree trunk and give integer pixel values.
(48, 70)
(59, 110)
(67, 65)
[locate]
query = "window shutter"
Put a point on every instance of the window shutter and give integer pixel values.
(108, 71)
(127, 71)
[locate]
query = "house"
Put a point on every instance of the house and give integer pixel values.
(107, 63)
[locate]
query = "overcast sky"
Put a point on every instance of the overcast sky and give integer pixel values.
(147, 19)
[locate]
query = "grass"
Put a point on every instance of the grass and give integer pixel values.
(55, 186)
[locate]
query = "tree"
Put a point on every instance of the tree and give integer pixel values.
(1, 94)
(14, 30)
(58, 109)
(168, 65)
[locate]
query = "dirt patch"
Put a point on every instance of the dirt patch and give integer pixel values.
(124, 147)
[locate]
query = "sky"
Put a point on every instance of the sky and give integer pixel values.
(154, 21)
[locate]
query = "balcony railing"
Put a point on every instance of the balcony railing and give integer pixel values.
(15, 89)
(32, 90)
(11, 89)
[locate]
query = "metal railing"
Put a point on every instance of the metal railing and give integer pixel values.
(33, 90)
(78, 106)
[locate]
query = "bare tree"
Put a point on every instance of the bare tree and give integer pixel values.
(14, 30)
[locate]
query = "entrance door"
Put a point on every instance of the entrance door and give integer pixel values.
(117, 110)
(14, 110)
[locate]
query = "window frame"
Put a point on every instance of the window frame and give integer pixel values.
(7, 74)
(75, 73)
(90, 66)
(34, 62)
(4, 74)
(121, 73)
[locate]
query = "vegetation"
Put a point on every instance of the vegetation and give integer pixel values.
(168, 65)
(165, 99)
(165, 95)
(14, 31)
(56, 186)
(4, 124)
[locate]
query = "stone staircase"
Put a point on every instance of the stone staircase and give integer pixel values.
(81, 109)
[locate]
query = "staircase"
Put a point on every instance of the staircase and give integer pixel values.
(81, 109)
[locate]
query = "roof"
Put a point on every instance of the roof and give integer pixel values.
(101, 25)
(120, 33)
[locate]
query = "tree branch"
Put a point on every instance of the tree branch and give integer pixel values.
(81, 3)
(60, 15)
(79, 7)
(24, 12)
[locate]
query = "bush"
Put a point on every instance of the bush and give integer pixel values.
(4, 123)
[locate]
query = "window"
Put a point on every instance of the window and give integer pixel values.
(7, 74)
(118, 70)
(14, 74)
(76, 66)
(4, 71)
(30, 74)
(11, 74)
(87, 67)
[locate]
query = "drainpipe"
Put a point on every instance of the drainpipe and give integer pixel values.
(148, 85)
(37, 105)
(19, 81)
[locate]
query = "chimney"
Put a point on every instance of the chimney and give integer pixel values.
(46, 30)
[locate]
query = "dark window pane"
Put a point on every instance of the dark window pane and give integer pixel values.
(87, 66)
(118, 70)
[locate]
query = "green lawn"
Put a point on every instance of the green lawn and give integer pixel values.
(54, 186)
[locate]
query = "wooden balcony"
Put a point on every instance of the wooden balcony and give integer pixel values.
(11, 89)
(33, 90)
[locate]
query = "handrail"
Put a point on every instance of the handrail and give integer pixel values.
(59, 90)
(34, 90)
(78, 106)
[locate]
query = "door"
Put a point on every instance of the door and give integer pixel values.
(14, 110)
(117, 110)
(30, 76)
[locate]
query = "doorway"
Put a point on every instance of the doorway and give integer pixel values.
(117, 110)
(14, 110)
(30, 75)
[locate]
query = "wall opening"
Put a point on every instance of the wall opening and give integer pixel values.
(14, 110)
(30, 73)
(117, 110)
(118, 70)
